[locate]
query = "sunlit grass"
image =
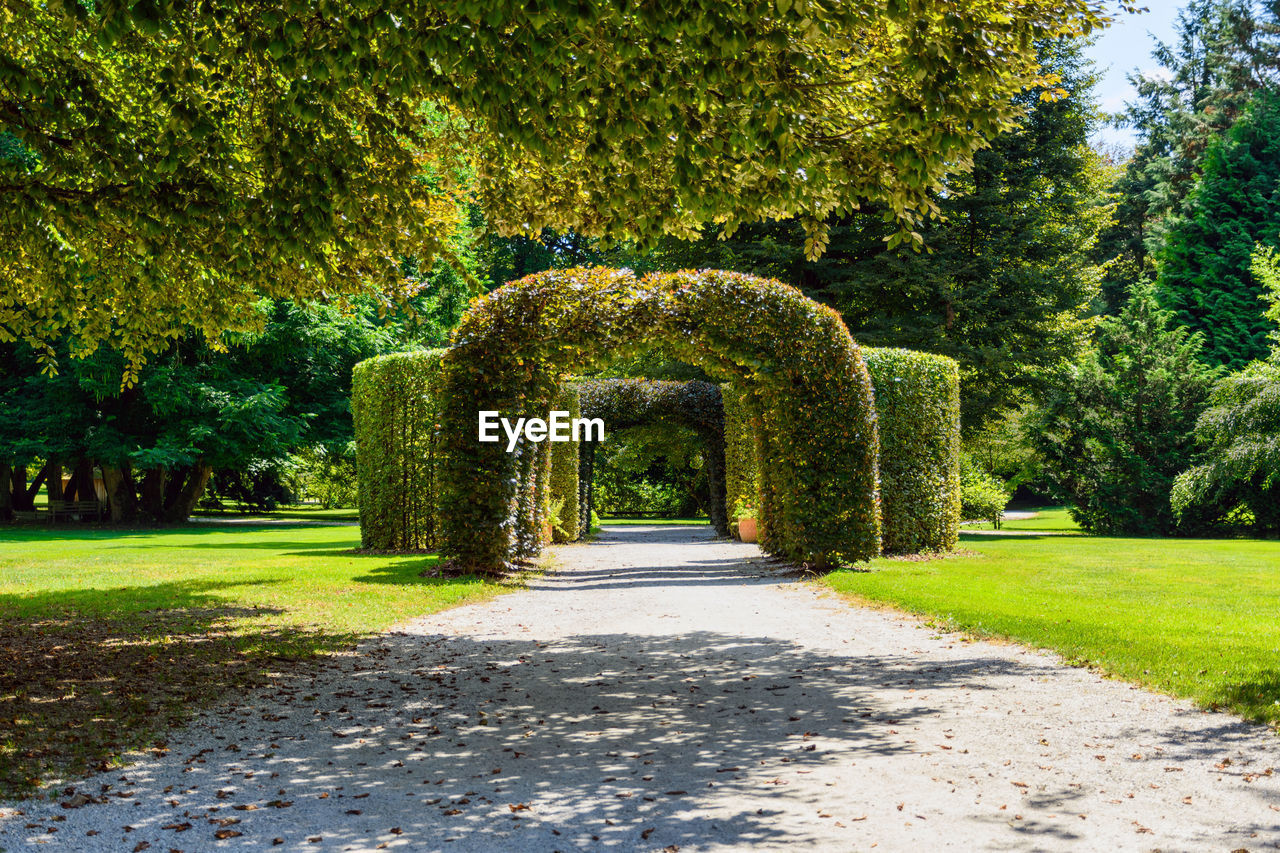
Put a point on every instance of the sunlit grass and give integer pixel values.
(108, 637)
(1195, 618)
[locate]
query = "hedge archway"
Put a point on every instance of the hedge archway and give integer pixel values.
(626, 403)
(795, 356)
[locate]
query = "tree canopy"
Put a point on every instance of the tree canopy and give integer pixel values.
(1117, 429)
(1006, 285)
(1205, 275)
(165, 165)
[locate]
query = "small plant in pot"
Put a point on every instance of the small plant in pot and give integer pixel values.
(744, 521)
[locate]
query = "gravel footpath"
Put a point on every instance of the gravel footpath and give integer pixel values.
(661, 690)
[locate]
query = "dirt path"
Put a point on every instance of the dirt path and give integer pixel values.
(660, 691)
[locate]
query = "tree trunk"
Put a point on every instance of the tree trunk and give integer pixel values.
(80, 488)
(6, 495)
(121, 500)
(173, 487)
(53, 478)
(186, 497)
(28, 493)
(153, 492)
(17, 485)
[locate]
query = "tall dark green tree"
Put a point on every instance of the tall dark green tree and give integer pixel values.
(1240, 433)
(1222, 52)
(1204, 265)
(1006, 281)
(1114, 431)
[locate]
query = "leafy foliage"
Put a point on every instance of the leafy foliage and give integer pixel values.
(395, 404)
(1205, 262)
(1240, 434)
(983, 495)
(325, 476)
(653, 470)
(512, 347)
(1240, 437)
(175, 163)
(563, 486)
(1223, 52)
(1006, 286)
(918, 413)
(741, 464)
(1117, 428)
(697, 405)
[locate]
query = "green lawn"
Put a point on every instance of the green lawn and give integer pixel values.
(108, 637)
(1048, 519)
(1195, 618)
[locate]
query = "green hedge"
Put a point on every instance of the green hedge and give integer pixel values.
(794, 355)
(918, 404)
(741, 469)
(564, 492)
(625, 403)
(395, 408)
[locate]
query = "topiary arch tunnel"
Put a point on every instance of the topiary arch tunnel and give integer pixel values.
(832, 468)
(802, 378)
(626, 403)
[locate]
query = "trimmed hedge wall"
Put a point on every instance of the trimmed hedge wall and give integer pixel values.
(741, 468)
(795, 356)
(918, 402)
(395, 409)
(625, 403)
(563, 490)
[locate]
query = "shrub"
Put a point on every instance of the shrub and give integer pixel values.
(627, 403)
(983, 496)
(918, 411)
(741, 474)
(324, 475)
(817, 408)
(1116, 429)
(563, 487)
(1240, 437)
(395, 408)
(1239, 434)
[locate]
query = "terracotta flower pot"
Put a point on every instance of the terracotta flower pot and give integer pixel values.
(747, 529)
(547, 533)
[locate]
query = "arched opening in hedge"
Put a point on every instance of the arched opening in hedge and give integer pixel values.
(792, 356)
(626, 403)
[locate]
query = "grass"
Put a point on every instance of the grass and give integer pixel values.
(1047, 519)
(109, 637)
(1194, 618)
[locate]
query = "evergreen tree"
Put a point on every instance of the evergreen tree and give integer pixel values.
(1240, 433)
(1223, 51)
(1006, 280)
(1114, 431)
(1205, 275)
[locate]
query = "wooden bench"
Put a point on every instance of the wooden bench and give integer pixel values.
(64, 510)
(78, 510)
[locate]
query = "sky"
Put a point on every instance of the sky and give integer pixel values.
(1123, 47)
